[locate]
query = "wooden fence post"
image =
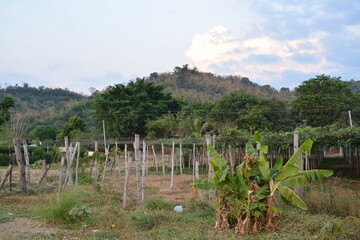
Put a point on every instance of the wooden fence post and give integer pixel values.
(298, 191)
(27, 163)
(143, 172)
(6, 174)
(211, 169)
(172, 165)
(128, 161)
(155, 160)
(137, 165)
(163, 157)
(77, 164)
(19, 160)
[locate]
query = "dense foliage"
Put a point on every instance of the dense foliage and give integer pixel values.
(322, 100)
(127, 108)
(5, 105)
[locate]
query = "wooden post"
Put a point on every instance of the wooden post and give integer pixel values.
(6, 174)
(96, 163)
(105, 163)
(211, 170)
(106, 152)
(163, 157)
(44, 168)
(128, 161)
(61, 175)
(77, 164)
(155, 160)
(172, 165)
(27, 163)
(19, 160)
(138, 165)
(117, 158)
(143, 172)
(231, 160)
(147, 160)
(44, 176)
(298, 191)
(181, 160)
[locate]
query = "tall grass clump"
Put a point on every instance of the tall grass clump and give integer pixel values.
(158, 204)
(339, 197)
(58, 211)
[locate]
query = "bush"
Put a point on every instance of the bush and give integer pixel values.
(158, 204)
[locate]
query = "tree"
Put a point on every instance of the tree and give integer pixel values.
(5, 105)
(75, 125)
(322, 100)
(127, 108)
(44, 132)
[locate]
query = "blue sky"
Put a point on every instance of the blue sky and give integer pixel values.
(95, 43)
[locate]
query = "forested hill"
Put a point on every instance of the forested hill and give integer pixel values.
(46, 105)
(194, 85)
(30, 98)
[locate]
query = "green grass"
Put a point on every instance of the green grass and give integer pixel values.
(57, 211)
(155, 219)
(158, 204)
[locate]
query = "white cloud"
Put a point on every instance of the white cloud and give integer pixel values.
(354, 29)
(217, 48)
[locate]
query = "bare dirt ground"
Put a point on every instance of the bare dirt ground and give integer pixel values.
(24, 226)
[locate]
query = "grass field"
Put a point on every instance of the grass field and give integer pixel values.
(334, 212)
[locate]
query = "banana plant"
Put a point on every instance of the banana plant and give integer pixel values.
(248, 194)
(284, 178)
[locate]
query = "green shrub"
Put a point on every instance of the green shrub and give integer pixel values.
(158, 204)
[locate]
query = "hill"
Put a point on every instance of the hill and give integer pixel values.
(47, 106)
(194, 85)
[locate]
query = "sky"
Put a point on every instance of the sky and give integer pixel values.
(79, 44)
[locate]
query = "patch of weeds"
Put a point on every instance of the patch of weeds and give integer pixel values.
(201, 208)
(84, 179)
(6, 217)
(146, 221)
(58, 212)
(151, 190)
(105, 235)
(158, 204)
(143, 221)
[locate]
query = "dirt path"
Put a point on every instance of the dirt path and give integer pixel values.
(23, 226)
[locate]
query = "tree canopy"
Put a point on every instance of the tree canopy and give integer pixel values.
(5, 105)
(127, 108)
(322, 100)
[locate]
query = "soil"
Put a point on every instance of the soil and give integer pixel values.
(24, 226)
